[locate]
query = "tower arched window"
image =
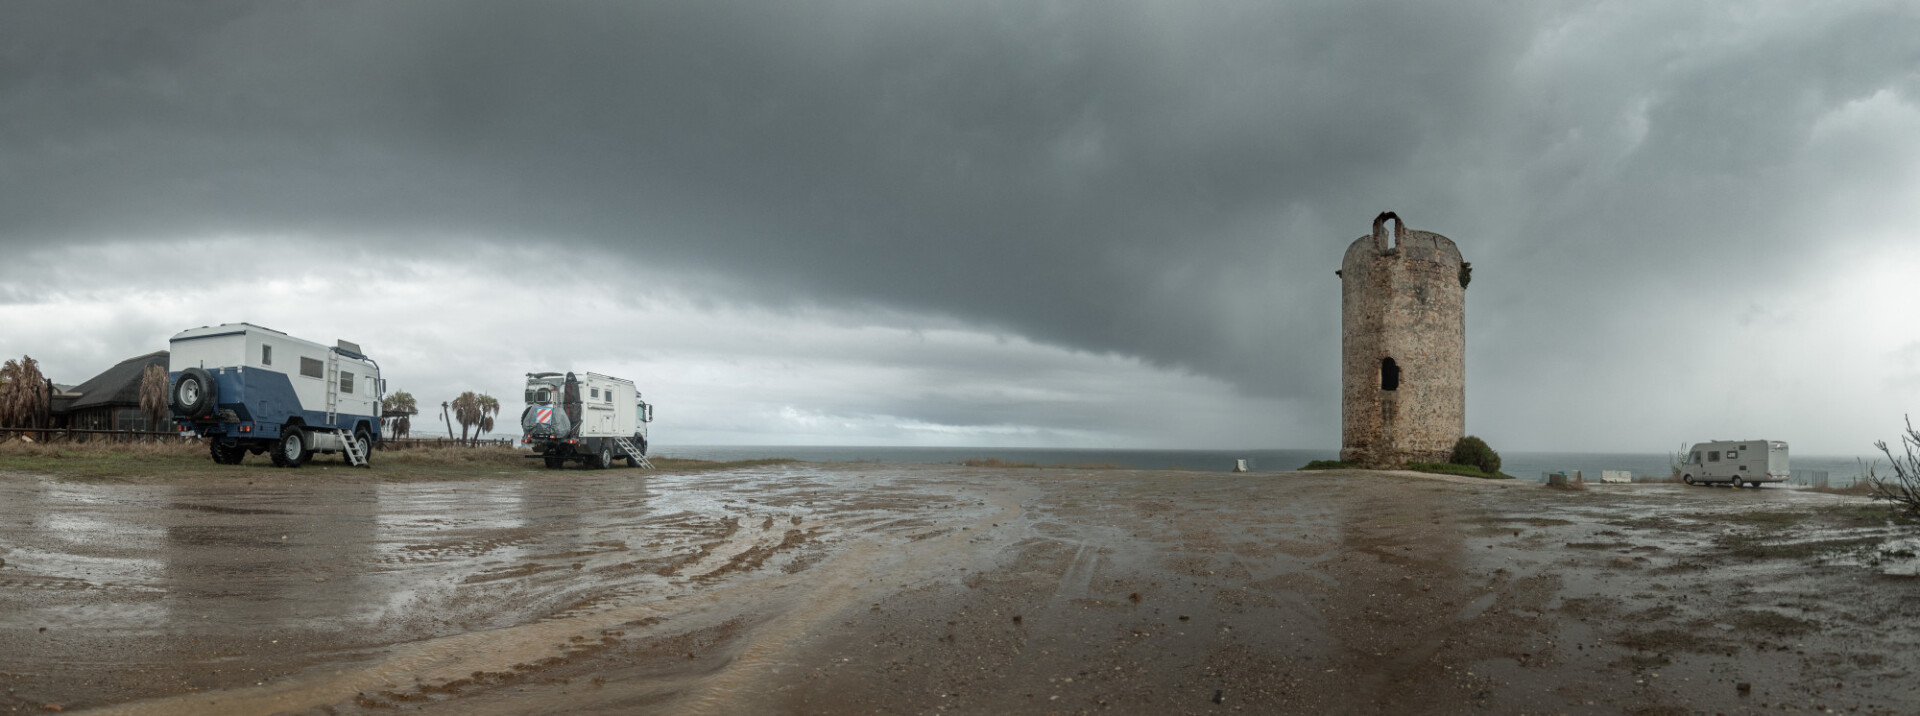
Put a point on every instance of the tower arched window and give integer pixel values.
(1389, 374)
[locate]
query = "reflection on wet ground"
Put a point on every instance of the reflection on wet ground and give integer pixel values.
(194, 587)
(856, 588)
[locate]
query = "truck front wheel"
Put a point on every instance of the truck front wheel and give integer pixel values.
(364, 443)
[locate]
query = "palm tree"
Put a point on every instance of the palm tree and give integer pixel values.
(25, 396)
(153, 396)
(443, 416)
(466, 410)
(489, 407)
(402, 407)
(476, 411)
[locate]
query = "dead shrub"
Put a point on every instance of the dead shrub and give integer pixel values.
(1901, 489)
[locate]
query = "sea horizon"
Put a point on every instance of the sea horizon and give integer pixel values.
(1528, 465)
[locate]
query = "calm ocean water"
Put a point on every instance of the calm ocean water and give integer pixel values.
(1841, 470)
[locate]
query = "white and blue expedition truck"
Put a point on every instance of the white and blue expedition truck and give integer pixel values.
(589, 418)
(248, 389)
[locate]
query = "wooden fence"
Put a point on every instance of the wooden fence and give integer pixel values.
(81, 435)
(408, 443)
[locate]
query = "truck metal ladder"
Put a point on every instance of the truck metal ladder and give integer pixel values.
(633, 452)
(351, 448)
(333, 387)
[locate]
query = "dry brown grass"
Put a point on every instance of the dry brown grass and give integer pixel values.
(454, 455)
(173, 460)
(995, 462)
(60, 449)
(1860, 488)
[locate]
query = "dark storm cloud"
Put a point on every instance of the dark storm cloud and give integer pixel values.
(1174, 181)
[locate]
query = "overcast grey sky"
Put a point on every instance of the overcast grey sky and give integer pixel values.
(1104, 223)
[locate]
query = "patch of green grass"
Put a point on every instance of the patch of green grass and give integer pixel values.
(1755, 546)
(1329, 465)
(1770, 622)
(1447, 468)
(1866, 515)
(1666, 641)
(1767, 518)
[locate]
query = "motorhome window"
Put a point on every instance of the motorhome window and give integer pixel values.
(312, 368)
(266, 355)
(1713, 456)
(596, 392)
(346, 382)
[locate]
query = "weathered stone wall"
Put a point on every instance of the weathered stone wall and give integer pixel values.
(1402, 300)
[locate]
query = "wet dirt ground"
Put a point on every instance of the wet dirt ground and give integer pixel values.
(843, 589)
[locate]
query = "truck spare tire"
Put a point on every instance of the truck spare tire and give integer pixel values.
(194, 393)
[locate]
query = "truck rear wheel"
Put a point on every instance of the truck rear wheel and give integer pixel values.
(555, 463)
(604, 459)
(226, 455)
(292, 449)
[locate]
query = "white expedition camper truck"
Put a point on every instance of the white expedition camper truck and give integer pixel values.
(251, 389)
(1736, 462)
(590, 418)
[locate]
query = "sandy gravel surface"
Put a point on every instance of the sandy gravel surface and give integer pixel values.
(842, 589)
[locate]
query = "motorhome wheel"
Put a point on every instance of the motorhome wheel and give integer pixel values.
(365, 445)
(606, 458)
(1687, 479)
(225, 454)
(292, 449)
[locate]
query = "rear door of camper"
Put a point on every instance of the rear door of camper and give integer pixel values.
(1777, 460)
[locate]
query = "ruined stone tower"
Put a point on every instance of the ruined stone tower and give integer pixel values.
(1403, 346)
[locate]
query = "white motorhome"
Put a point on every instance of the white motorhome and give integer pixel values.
(589, 418)
(1736, 463)
(246, 388)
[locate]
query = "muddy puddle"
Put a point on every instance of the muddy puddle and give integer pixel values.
(861, 588)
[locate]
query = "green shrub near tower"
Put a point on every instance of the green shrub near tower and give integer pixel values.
(1474, 452)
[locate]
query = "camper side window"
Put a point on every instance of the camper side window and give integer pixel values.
(346, 382)
(266, 355)
(312, 368)
(1713, 456)
(596, 392)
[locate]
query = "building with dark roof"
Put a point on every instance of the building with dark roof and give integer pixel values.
(110, 400)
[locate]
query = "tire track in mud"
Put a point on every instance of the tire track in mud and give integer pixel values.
(841, 588)
(427, 671)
